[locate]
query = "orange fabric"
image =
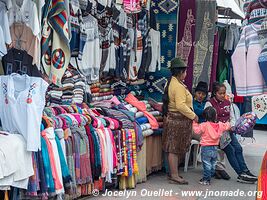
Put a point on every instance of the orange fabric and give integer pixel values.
(210, 132)
(58, 185)
(141, 106)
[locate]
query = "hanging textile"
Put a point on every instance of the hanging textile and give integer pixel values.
(55, 40)
(248, 76)
(215, 59)
(205, 27)
(166, 12)
(186, 37)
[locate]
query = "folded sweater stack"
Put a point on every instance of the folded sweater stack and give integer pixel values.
(72, 90)
(101, 91)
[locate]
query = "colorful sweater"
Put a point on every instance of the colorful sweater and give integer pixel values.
(248, 77)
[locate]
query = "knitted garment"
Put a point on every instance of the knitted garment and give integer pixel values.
(255, 11)
(131, 99)
(55, 40)
(248, 76)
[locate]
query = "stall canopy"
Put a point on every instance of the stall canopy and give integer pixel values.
(229, 8)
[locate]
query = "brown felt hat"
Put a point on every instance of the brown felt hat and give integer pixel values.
(177, 63)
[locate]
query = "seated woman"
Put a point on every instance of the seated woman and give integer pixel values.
(233, 150)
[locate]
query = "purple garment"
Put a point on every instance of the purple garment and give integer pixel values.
(186, 37)
(214, 60)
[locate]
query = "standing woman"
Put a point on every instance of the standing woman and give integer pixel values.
(178, 117)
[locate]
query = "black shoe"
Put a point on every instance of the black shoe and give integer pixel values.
(244, 178)
(224, 175)
(217, 175)
(251, 175)
(204, 182)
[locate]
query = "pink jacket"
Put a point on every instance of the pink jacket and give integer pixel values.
(210, 132)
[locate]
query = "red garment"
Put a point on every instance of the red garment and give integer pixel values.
(141, 106)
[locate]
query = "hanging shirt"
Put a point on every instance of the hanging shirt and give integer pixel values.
(23, 39)
(25, 12)
(22, 100)
(18, 61)
(4, 29)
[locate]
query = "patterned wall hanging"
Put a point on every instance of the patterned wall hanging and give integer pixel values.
(186, 36)
(166, 13)
(205, 27)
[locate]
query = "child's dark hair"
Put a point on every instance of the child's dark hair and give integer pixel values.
(165, 98)
(210, 114)
(216, 87)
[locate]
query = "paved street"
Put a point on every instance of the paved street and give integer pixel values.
(158, 182)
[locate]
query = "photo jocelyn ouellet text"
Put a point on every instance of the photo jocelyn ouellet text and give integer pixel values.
(169, 193)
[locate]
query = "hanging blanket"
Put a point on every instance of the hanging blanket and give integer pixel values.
(186, 36)
(166, 12)
(205, 27)
(55, 40)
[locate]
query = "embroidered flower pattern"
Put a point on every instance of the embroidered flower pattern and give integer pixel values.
(30, 93)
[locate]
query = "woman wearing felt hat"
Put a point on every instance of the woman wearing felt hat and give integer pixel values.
(178, 118)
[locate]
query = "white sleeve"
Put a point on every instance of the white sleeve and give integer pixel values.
(5, 27)
(159, 52)
(208, 104)
(234, 114)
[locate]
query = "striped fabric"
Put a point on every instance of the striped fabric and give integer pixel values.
(55, 40)
(256, 10)
(248, 77)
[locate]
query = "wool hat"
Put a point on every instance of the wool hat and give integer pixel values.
(202, 86)
(177, 63)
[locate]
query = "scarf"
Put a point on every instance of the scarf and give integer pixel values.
(131, 99)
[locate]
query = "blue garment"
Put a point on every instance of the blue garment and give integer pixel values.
(199, 109)
(142, 120)
(208, 157)
(63, 164)
(234, 153)
(47, 167)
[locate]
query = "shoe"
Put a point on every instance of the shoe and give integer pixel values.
(224, 175)
(174, 181)
(251, 175)
(217, 175)
(244, 178)
(204, 182)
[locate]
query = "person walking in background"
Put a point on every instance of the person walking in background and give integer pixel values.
(233, 149)
(210, 132)
(178, 118)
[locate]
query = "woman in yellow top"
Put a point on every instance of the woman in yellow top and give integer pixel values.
(178, 117)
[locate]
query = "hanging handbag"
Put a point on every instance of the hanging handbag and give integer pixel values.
(225, 139)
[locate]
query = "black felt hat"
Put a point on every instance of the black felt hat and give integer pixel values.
(202, 86)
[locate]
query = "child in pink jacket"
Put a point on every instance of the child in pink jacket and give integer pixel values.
(210, 136)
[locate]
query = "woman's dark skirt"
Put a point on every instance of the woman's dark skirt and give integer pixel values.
(177, 133)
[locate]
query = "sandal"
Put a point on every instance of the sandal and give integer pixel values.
(173, 181)
(169, 176)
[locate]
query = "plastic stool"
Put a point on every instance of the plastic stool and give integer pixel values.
(195, 145)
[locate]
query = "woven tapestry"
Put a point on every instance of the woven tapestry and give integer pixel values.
(205, 27)
(156, 82)
(186, 37)
(166, 13)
